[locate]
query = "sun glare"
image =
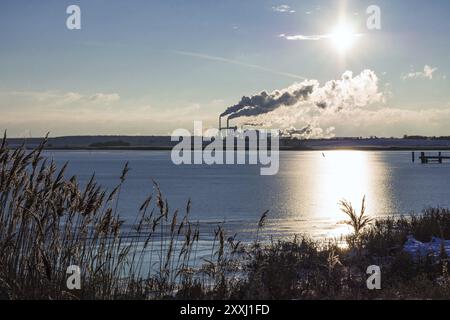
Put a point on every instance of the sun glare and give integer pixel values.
(343, 37)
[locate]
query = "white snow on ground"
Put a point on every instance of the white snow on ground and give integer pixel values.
(421, 249)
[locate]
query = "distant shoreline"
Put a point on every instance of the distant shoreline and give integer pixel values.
(164, 143)
(168, 148)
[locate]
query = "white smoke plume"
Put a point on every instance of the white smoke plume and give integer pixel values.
(309, 132)
(267, 102)
(306, 102)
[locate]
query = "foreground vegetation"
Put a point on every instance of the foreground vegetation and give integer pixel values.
(49, 222)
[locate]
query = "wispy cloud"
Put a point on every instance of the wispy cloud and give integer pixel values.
(284, 8)
(236, 62)
(299, 37)
(314, 37)
(53, 98)
(105, 98)
(427, 73)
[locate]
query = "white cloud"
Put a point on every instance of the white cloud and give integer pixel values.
(304, 37)
(314, 37)
(283, 8)
(105, 98)
(427, 73)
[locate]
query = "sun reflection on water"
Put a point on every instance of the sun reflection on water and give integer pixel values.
(333, 176)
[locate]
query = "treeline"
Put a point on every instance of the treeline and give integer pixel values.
(417, 137)
(115, 143)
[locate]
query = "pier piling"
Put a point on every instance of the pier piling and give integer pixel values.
(424, 158)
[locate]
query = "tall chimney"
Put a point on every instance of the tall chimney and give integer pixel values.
(220, 123)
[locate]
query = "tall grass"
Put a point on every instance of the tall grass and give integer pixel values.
(49, 222)
(357, 221)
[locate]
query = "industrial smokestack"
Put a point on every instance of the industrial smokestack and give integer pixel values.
(220, 123)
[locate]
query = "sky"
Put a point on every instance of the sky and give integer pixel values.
(142, 67)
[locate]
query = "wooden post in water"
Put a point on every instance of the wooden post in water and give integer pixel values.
(431, 158)
(413, 156)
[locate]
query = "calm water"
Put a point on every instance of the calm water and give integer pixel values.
(302, 198)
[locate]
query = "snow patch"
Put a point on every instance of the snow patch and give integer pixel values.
(419, 249)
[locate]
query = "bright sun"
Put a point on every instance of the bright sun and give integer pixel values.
(343, 37)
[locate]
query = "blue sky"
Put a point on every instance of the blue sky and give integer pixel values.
(148, 67)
